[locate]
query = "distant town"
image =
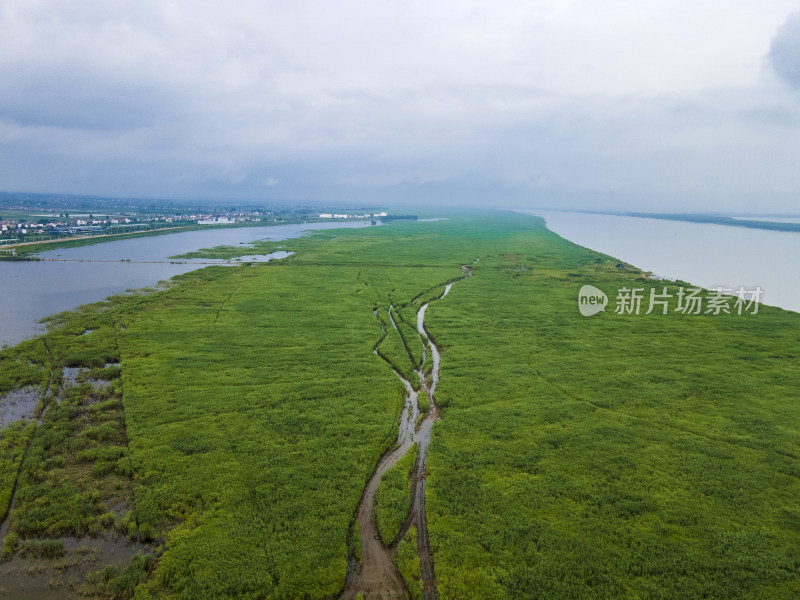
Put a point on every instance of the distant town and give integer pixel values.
(36, 227)
(346, 216)
(32, 218)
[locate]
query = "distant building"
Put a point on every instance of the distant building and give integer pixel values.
(78, 229)
(325, 216)
(214, 221)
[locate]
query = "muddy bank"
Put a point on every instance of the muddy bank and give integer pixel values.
(55, 578)
(35, 564)
(377, 576)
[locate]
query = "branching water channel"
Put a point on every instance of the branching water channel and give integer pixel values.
(377, 577)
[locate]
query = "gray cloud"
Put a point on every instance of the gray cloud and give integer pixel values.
(549, 102)
(784, 52)
(73, 97)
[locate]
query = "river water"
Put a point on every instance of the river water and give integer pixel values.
(702, 254)
(31, 290)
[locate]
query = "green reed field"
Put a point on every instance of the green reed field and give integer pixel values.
(612, 456)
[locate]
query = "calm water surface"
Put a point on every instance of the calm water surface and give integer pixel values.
(32, 290)
(699, 253)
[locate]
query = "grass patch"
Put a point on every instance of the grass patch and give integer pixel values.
(115, 582)
(407, 561)
(393, 498)
(608, 457)
(14, 441)
(36, 548)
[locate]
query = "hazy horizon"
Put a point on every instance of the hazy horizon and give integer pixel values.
(659, 107)
(223, 204)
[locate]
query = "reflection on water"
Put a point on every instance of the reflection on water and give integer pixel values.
(699, 253)
(18, 404)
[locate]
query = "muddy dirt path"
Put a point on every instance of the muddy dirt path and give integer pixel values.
(377, 577)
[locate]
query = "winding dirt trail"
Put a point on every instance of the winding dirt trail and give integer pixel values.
(377, 577)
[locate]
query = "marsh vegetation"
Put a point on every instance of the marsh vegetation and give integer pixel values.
(244, 412)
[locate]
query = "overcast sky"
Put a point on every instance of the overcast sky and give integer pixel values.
(654, 105)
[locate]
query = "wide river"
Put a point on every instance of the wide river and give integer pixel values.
(31, 290)
(702, 254)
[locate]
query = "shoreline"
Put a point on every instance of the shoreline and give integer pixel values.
(162, 269)
(30, 249)
(675, 252)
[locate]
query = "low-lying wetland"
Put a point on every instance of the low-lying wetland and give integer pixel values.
(226, 426)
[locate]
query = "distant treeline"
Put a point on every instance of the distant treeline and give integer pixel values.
(753, 224)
